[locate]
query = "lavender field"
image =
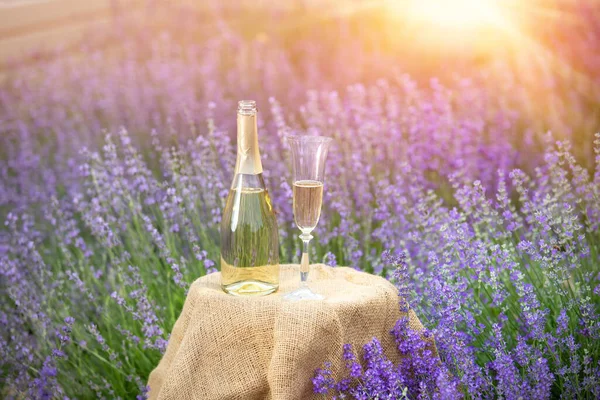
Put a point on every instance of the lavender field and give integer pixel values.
(467, 173)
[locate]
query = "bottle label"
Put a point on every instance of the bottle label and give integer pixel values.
(248, 156)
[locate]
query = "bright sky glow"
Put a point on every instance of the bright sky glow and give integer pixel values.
(451, 24)
(454, 14)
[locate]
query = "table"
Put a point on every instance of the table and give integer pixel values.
(227, 347)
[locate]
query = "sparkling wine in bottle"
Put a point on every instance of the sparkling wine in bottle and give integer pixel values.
(249, 234)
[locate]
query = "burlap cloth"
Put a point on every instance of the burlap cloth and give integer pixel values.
(227, 347)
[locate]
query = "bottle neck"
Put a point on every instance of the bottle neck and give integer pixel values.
(248, 156)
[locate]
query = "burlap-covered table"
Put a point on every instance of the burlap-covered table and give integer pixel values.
(227, 347)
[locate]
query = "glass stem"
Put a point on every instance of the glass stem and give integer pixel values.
(304, 263)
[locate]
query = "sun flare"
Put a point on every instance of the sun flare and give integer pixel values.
(456, 14)
(479, 26)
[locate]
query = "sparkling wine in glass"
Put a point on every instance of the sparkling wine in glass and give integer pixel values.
(308, 196)
(308, 165)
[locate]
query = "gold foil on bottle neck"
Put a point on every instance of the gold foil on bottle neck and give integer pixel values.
(248, 156)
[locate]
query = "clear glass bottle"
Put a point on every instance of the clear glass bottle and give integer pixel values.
(249, 234)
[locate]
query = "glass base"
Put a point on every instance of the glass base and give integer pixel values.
(302, 293)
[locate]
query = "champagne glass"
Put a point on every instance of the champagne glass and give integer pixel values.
(308, 165)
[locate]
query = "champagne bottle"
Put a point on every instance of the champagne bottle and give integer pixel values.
(249, 234)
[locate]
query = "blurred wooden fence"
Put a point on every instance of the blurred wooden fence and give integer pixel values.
(28, 26)
(31, 25)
